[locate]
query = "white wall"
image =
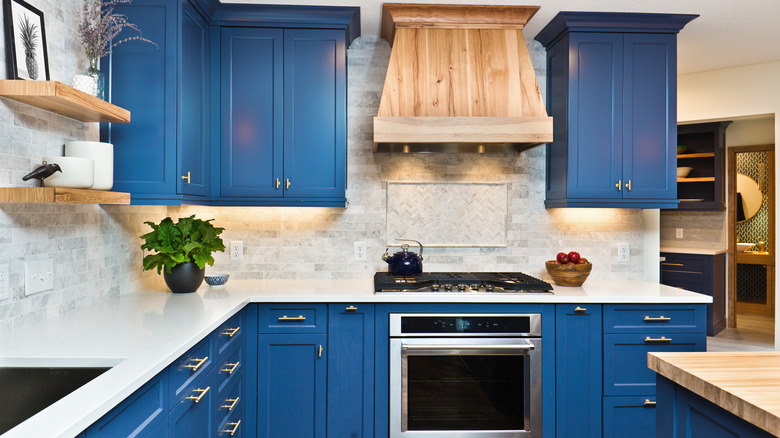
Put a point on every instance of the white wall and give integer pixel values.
(729, 94)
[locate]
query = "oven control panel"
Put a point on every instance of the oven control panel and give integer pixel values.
(465, 324)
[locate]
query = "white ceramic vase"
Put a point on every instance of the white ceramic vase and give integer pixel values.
(102, 154)
(77, 172)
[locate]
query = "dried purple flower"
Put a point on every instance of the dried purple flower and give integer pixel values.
(99, 25)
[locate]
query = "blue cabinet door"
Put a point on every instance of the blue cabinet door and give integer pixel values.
(351, 370)
(595, 116)
(251, 85)
(192, 415)
(578, 370)
(194, 105)
(292, 385)
(314, 113)
(631, 416)
(144, 414)
(650, 116)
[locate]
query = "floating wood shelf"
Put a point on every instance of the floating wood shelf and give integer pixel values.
(64, 100)
(702, 155)
(702, 179)
(58, 195)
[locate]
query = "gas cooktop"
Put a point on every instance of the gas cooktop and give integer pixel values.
(464, 282)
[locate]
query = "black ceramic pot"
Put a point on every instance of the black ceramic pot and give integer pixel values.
(184, 278)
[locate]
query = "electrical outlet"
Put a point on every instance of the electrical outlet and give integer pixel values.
(624, 252)
(678, 233)
(5, 291)
(237, 250)
(360, 251)
(38, 276)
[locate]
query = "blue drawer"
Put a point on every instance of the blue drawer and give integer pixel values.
(190, 368)
(230, 333)
(658, 318)
(293, 318)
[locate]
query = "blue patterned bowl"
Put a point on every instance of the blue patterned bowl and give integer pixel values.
(216, 280)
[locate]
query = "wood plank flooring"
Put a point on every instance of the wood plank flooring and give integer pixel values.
(753, 333)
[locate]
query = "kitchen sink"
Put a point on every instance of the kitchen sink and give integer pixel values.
(29, 390)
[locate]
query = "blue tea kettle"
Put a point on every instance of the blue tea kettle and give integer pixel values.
(404, 262)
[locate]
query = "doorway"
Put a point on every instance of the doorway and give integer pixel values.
(751, 225)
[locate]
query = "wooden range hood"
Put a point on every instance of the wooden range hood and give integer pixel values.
(460, 79)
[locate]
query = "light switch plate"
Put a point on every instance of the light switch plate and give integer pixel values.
(38, 276)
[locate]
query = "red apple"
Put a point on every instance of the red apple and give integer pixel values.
(574, 256)
(562, 258)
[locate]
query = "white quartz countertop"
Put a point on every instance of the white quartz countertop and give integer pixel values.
(140, 334)
(702, 251)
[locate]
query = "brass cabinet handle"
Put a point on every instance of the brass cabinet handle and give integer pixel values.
(234, 429)
(619, 185)
(671, 264)
(649, 404)
(661, 339)
(628, 185)
(292, 318)
(580, 309)
(287, 184)
(201, 393)
(186, 177)
(231, 332)
(199, 363)
(230, 367)
(277, 183)
(351, 309)
(657, 319)
(319, 354)
(233, 402)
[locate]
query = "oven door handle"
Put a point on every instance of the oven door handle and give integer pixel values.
(465, 350)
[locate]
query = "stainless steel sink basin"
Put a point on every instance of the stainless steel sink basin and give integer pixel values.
(25, 391)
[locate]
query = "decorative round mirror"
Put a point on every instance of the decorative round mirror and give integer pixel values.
(749, 197)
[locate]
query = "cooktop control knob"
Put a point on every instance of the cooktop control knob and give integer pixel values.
(462, 287)
(435, 287)
(475, 287)
(448, 287)
(489, 287)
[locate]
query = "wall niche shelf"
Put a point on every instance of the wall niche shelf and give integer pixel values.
(64, 100)
(59, 195)
(703, 188)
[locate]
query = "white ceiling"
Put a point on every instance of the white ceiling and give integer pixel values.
(728, 33)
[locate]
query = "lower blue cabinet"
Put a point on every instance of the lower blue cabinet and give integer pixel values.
(192, 415)
(143, 414)
(629, 416)
(292, 385)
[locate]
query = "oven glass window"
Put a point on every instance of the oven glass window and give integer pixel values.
(465, 393)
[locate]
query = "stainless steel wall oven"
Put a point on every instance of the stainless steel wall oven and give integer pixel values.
(465, 375)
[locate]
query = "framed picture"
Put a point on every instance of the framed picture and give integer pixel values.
(25, 41)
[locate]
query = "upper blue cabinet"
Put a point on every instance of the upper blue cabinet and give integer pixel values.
(612, 93)
(238, 105)
(160, 158)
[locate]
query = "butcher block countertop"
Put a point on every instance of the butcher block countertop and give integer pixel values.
(747, 384)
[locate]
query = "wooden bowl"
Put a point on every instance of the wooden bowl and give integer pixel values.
(568, 275)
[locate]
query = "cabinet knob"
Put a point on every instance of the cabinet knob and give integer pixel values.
(628, 185)
(619, 185)
(186, 177)
(278, 183)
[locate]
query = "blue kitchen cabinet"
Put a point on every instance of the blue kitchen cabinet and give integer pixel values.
(282, 117)
(351, 370)
(160, 157)
(630, 416)
(144, 414)
(612, 95)
(578, 370)
(681, 413)
(702, 273)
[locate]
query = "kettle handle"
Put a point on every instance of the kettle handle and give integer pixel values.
(417, 242)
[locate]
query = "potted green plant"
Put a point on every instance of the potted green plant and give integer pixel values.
(182, 249)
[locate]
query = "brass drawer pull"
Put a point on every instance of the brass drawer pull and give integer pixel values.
(671, 264)
(234, 429)
(277, 183)
(619, 185)
(230, 368)
(231, 332)
(351, 309)
(233, 402)
(186, 177)
(319, 353)
(199, 363)
(649, 404)
(292, 318)
(661, 339)
(628, 185)
(657, 319)
(201, 393)
(287, 184)
(580, 309)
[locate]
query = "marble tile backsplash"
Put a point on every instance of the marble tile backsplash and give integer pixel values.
(96, 249)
